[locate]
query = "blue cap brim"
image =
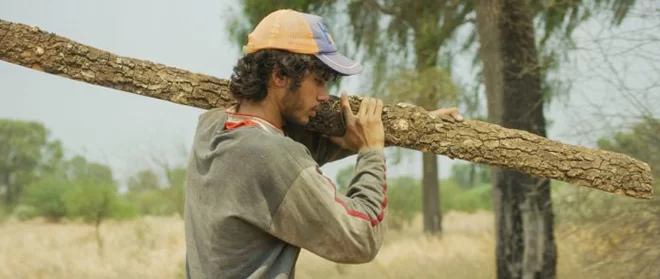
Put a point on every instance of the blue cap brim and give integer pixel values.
(340, 63)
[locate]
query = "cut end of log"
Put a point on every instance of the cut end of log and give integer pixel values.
(635, 194)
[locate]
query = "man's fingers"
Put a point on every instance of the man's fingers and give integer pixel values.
(346, 106)
(338, 141)
(363, 107)
(456, 115)
(453, 112)
(369, 110)
(445, 111)
(379, 108)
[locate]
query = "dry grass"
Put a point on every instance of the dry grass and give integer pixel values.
(145, 248)
(154, 248)
(465, 250)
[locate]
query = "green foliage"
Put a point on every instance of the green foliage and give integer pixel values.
(344, 177)
(413, 86)
(94, 203)
(25, 153)
(88, 172)
(144, 180)
(395, 34)
(469, 175)
(153, 202)
(24, 212)
(175, 193)
(454, 198)
(641, 142)
(563, 17)
(46, 197)
(403, 200)
(3, 214)
(150, 197)
(42, 184)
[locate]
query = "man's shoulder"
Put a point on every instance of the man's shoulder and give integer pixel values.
(251, 138)
(273, 144)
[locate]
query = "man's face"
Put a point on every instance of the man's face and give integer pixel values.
(300, 105)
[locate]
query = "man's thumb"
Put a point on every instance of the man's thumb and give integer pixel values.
(345, 105)
(337, 140)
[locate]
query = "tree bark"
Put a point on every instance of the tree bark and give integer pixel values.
(426, 27)
(431, 194)
(9, 201)
(525, 243)
(405, 125)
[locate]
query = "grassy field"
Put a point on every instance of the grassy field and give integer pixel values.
(154, 248)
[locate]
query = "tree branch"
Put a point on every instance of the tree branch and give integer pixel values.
(405, 125)
(391, 11)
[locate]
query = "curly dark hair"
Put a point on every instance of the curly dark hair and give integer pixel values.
(249, 80)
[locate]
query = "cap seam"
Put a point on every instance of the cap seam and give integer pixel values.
(342, 66)
(311, 32)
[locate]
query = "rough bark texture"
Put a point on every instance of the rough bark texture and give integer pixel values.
(406, 126)
(525, 243)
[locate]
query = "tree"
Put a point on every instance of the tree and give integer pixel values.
(46, 197)
(143, 181)
(514, 76)
(25, 153)
(406, 126)
(93, 194)
(94, 203)
(175, 192)
(524, 218)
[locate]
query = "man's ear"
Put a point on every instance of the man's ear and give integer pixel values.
(277, 79)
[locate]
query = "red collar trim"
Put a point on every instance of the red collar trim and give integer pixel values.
(231, 111)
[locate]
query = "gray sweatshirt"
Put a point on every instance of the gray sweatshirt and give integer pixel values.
(255, 196)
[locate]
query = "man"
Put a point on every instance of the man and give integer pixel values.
(255, 194)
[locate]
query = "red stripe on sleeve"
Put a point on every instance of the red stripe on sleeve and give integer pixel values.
(359, 214)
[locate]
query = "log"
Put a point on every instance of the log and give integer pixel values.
(406, 126)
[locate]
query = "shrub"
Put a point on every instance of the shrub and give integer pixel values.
(45, 198)
(455, 198)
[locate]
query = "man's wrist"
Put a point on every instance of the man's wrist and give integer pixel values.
(365, 149)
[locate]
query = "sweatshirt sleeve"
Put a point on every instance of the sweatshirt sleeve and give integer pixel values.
(322, 148)
(343, 229)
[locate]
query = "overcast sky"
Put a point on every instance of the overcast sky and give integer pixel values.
(124, 130)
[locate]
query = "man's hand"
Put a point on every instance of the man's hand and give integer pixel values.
(453, 112)
(364, 130)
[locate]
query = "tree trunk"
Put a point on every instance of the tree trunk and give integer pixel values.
(426, 55)
(523, 208)
(405, 125)
(431, 194)
(99, 240)
(9, 191)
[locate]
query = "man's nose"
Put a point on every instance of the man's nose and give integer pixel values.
(323, 96)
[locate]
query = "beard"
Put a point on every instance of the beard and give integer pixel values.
(294, 111)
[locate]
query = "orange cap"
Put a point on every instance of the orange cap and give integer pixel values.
(298, 32)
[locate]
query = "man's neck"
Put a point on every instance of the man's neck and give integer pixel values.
(266, 110)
